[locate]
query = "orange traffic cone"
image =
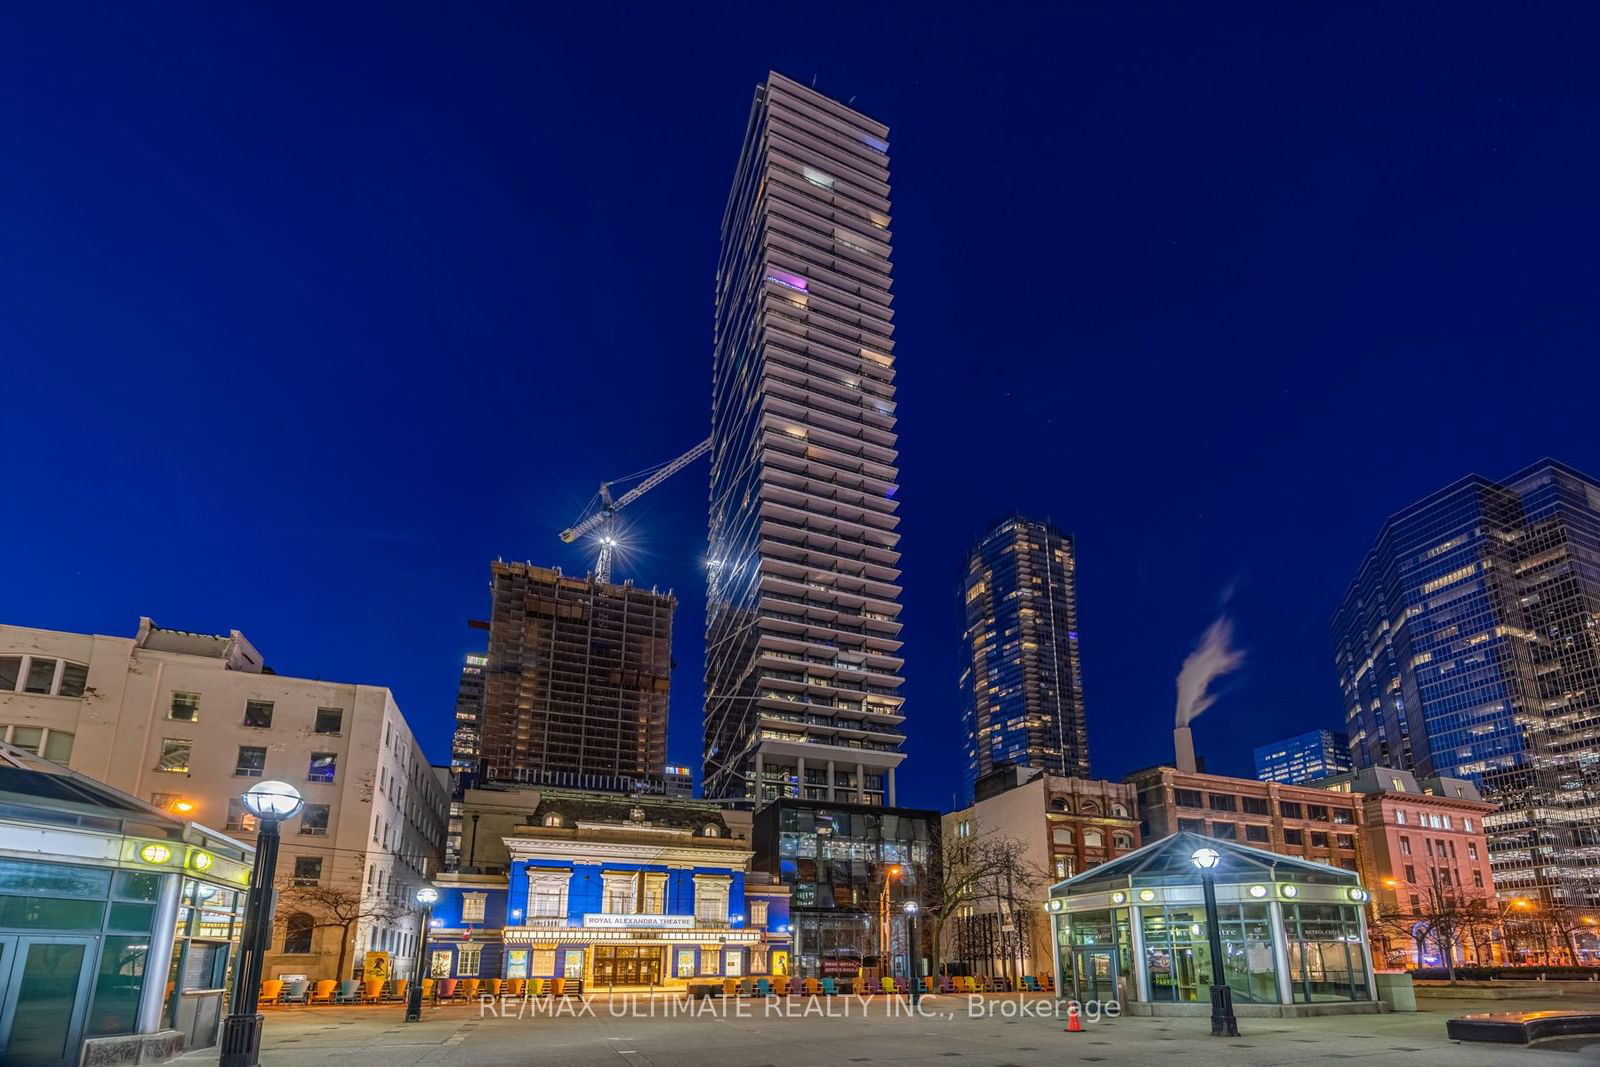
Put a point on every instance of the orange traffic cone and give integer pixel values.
(1074, 1026)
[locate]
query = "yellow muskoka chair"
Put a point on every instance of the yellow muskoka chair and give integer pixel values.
(271, 989)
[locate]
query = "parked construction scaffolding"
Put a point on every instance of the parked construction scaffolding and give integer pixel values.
(577, 678)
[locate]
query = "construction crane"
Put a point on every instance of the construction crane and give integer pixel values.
(604, 517)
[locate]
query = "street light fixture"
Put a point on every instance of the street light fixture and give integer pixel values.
(427, 896)
(270, 803)
(1223, 1023)
(911, 950)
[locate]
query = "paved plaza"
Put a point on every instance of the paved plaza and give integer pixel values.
(749, 1034)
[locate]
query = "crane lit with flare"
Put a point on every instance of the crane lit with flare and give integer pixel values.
(601, 518)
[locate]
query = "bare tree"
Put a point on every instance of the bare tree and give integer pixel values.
(1448, 916)
(991, 872)
(337, 908)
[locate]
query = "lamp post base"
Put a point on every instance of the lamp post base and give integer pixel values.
(414, 1002)
(1223, 1024)
(241, 1041)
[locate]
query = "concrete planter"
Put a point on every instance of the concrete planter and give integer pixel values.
(1395, 989)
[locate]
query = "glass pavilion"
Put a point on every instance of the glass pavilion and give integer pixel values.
(1134, 930)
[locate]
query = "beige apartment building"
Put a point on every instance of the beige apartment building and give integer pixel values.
(190, 721)
(1064, 827)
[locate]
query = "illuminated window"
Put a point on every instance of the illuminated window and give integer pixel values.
(468, 956)
(473, 906)
(175, 755)
(758, 912)
(185, 707)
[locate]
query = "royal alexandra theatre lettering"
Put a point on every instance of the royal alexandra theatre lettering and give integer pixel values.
(616, 921)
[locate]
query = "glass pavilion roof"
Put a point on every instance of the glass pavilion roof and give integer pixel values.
(1168, 862)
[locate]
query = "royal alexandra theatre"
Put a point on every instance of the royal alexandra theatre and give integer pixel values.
(620, 893)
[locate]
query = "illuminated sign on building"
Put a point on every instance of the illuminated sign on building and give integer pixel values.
(617, 921)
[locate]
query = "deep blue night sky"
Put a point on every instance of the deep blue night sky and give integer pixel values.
(308, 312)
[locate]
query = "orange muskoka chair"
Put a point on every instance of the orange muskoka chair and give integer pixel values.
(469, 988)
(495, 985)
(271, 989)
(372, 990)
(515, 986)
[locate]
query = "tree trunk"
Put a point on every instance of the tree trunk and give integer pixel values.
(1448, 946)
(344, 951)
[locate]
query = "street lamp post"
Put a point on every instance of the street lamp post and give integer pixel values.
(426, 896)
(1223, 1024)
(270, 803)
(911, 950)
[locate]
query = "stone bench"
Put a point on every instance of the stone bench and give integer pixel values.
(1522, 1027)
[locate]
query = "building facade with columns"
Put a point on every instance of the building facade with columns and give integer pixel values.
(616, 892)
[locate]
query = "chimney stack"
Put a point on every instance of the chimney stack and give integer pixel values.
(1183, 744)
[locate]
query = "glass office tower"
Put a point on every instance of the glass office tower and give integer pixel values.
(1467, 647)
(1304, 757)
(1021, 681)
(803, 600)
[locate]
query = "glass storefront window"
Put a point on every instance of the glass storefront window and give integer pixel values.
(1178, 953)
(1325, 954)
(118, 985)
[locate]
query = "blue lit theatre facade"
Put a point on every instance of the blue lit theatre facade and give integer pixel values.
(1293, 932)
(614, 892)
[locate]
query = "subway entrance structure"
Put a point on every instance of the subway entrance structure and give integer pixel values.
(1293, 932)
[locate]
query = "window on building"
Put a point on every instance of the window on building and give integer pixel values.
(75, 677)
(758, 912)
(1122, 840)
(1318, 812)
(655, 897)
(239, 816)
(1223, 802)
(1061, 835)
(1294, 837)
(41, 675)
(258, 713)
(185, 707)
(711, 900)
(1344, 840)
(621, 890)
(1227, 831)
(10, 673)
(1256, 805)
(1193, 826)
(710, 958)
(1093, 838)
(1405, 845)
(314, 820)
(468, 956)
(1477, 879)
(297, 930)
(307, 870)
(329, 720)
(1472, 851)
(1319, 839)
(1291, 809)
(473, 906)
(1411, 872)
(323, 767)
(251, 761)
(1466, 824)
(1187, 798)
(552, 820)
(711, 830)
(1119, 811)
(175, 755)
(1257, 834)
(164, 801)
(1399, 817)
(547, 893)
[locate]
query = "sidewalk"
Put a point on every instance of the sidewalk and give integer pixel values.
(749, 1033)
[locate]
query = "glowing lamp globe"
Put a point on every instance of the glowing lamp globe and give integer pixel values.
(272, 800)
(427, 895)
(1205, 858)
(911, 907)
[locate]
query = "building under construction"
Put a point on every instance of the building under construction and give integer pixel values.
(578, 673)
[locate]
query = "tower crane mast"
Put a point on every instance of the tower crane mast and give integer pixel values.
(604, 517)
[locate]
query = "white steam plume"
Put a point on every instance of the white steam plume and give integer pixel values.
(1212, 657)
